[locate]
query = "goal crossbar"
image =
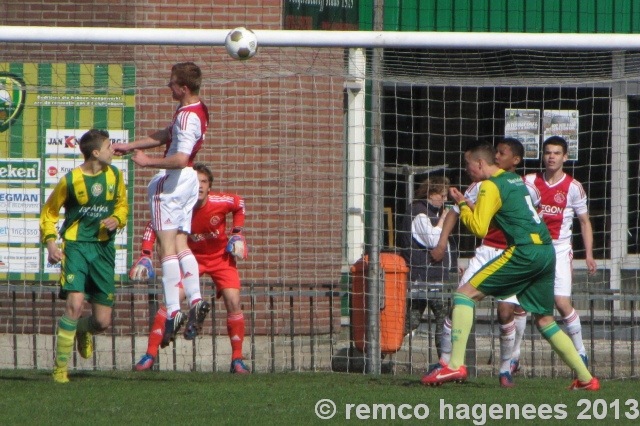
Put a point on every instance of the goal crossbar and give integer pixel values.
(345, 39)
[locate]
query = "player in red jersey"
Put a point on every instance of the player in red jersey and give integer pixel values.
(562, 197)
(173, 192)
(216, 255)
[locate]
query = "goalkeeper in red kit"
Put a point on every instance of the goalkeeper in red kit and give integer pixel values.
(216, 254)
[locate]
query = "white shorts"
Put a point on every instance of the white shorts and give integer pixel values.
(564, 270)
(172, 196)
(484, 254)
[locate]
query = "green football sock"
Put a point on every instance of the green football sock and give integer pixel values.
(64, 346)
(563, 346)
(461, 323)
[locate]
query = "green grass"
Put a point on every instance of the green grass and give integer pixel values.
(29, 397)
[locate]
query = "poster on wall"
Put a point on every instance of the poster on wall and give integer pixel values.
(334, 15)
(563, 123)
(44, 110)
(524, 125)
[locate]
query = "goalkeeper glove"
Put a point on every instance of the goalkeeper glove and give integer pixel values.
(237, 246)
(142, 268)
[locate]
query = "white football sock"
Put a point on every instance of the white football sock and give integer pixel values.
(445, 343)
(574, 330)
(507, 339)
(170, 283)
(521, 326)
(190, 275)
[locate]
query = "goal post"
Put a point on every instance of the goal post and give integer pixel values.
(311, 38)
(293, 132)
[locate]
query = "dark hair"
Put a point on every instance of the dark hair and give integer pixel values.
(91, 141)
(432, 185)
(556, 140)
(482, 149)
(202, 168)
(188, 74)
(514, 144)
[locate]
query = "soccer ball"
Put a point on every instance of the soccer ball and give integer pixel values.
(241, 43)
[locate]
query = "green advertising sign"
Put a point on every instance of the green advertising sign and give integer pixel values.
(23, 170)
(336, 15)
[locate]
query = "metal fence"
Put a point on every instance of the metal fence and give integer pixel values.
(303, 330)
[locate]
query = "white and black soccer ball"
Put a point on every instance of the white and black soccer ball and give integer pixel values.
(241, 43)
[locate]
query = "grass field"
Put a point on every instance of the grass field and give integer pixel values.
(29, 397)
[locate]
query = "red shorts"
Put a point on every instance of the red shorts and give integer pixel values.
(222, 270)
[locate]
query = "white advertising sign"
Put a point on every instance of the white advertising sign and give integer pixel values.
(56, 168)
(20, 200)
(524, 125)
(19, 230)
(19, 259)
(66, 141)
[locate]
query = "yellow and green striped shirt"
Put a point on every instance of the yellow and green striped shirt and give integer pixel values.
(87, 200)
(504, 201)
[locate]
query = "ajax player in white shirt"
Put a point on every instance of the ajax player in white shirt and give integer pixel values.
(173, 192)
(562, 197)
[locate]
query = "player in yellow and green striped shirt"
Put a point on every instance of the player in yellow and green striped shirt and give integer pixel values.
(95, 201)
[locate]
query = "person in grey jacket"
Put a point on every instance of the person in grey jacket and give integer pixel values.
(419, 233)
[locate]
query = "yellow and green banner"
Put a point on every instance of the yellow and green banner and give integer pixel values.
(44, 110)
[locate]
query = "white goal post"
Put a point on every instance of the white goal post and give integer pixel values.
(346, 39)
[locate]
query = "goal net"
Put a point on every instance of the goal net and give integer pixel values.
(321, 143)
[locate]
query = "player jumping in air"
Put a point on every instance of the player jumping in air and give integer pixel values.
(173, 192)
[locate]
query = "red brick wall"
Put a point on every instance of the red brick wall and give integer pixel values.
(276, 135)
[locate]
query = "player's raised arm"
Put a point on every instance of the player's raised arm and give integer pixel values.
(161, 137)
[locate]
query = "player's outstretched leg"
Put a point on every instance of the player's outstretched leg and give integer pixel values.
(563, 346)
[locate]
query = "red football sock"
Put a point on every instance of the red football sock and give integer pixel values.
(157, 330)
(235, 328)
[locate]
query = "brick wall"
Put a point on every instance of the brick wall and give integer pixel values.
(276, 138)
